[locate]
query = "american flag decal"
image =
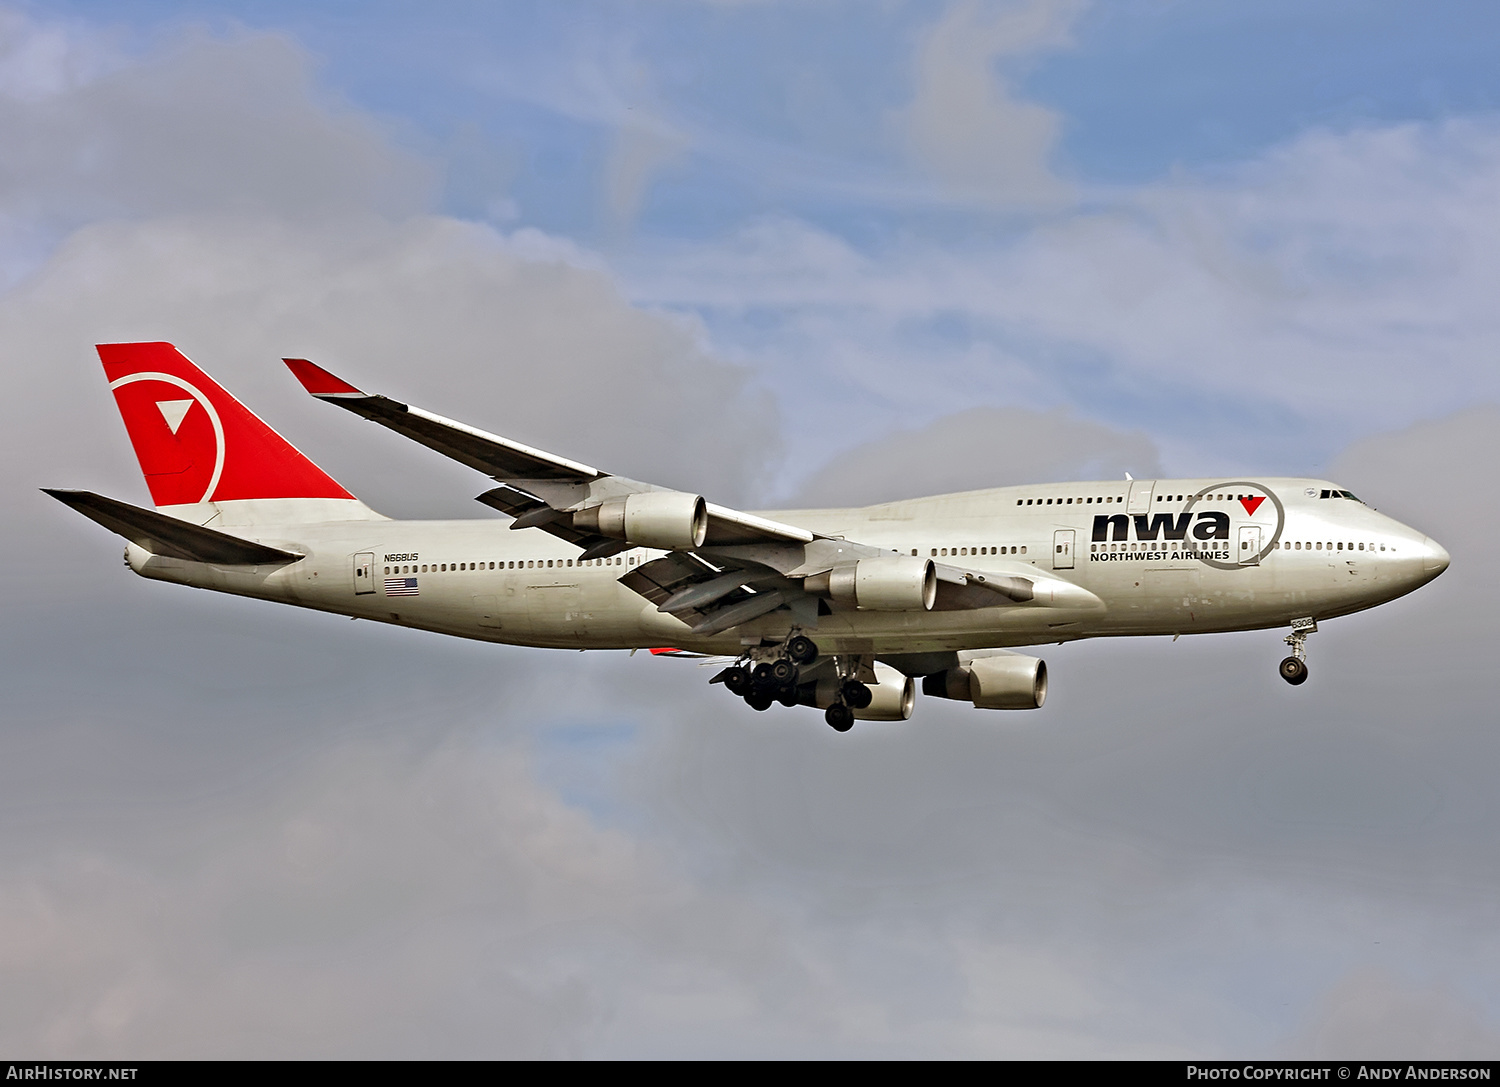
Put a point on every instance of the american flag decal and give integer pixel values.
(400, 586)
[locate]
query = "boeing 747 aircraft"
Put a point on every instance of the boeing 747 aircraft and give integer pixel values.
(842, 609)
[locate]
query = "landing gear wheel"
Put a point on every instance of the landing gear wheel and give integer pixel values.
(840, 717)
(765, 677)
(1293, 671)
(787, 696)
(856, 694)
(802, 650)
(737, 681)
(783, 672)
(759, 700)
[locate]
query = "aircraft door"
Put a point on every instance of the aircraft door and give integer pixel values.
(364, 573)
(1062, 549)
(1250, 545)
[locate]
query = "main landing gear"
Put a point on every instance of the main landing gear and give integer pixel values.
(1294, 668)
(777, 676)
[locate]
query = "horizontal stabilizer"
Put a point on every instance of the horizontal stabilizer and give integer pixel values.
(169, 537)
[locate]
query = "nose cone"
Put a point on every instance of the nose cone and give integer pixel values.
(1434, 557)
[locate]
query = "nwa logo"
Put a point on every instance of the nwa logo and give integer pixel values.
(1193, 532)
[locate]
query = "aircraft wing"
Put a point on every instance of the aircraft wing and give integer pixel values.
(538, 488)
(745, 567)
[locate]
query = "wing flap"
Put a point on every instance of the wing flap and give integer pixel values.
(169, 537)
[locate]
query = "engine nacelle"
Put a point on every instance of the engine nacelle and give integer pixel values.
(669, 520)
(894, 695)
(880, 583)
(1009, 682)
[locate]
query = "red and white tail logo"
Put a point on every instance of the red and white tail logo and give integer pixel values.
(195, 442)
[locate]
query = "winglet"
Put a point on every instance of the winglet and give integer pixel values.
(319, 381)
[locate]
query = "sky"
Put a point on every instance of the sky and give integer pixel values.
(778, 254)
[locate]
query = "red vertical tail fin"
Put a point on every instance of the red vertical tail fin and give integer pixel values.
(197, 444)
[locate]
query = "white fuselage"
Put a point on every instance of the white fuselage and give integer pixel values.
(1175, 557)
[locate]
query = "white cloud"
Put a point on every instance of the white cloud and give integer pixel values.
(965, 122)
(1339, 285)
(207, 124)
(982, 447)
(641, 150)
(230, 829)
(506, 335)
(1374, 1016)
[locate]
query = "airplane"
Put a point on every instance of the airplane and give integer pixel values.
(844, 610)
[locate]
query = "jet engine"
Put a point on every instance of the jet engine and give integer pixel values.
(1008, 682)
(669, 520)
(893, 695)
(879, 583)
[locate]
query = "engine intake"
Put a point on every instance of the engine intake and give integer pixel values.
(880, 583)
(669, 520)
(1009, 682)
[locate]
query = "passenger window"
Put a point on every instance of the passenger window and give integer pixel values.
(1023, 549)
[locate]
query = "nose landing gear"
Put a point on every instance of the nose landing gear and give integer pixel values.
(1294, 668)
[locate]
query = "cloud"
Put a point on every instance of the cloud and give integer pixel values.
(234, 829)
(207, 124)
(641, 149)
(242, 829)
(507, 333)
(1262, 316)
(964, 121)
(1381, 1018)
(982, 447)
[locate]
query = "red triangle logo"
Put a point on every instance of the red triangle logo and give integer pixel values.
(1252, 504)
